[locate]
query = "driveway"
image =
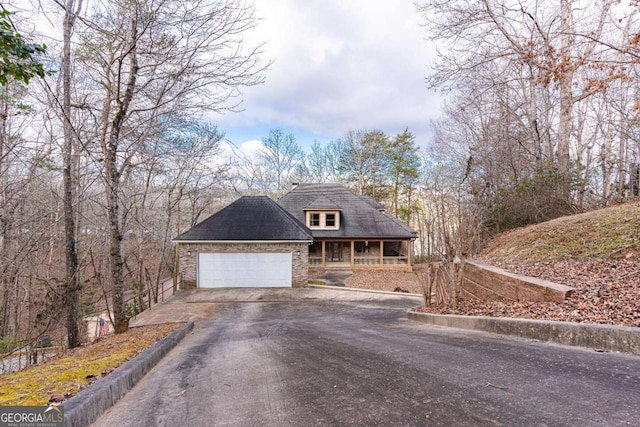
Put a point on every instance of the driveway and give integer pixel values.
(199, 305)
(335, 277)
(358, 361)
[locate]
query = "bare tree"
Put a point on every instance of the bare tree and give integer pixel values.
(363, 161)
(147, 60)
(71, 10)
(518, 45)
(30, 303)
(283, 156)
(175, 168)
(322, 163)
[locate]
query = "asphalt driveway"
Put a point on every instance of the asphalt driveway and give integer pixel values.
(199, 305)
(356, 360)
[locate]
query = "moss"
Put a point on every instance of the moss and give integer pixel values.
(77, 368)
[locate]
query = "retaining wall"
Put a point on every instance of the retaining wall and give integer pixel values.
(486, 282)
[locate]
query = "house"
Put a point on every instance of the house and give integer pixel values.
(349, 230)
(256, 242)
(252, 242)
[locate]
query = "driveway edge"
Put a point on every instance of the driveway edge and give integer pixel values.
(371, 291)
(86, 406)
(621, 339)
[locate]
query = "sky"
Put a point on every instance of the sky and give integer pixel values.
(339, 65)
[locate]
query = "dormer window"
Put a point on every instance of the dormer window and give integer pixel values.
(314, 220)
(320, 220)
(330, 220)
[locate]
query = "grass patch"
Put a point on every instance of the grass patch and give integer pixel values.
(8, 344)
(610, 233)
(65, 375)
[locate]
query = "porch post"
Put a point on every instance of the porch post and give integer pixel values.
(323, 255)
(176, 268)
(353, 246)
(381, 252)
(409, 251)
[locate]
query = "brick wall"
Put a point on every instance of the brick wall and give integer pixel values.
(486, 282)
(187, 264)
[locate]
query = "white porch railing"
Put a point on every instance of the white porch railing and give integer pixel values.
(315, 260)
(395, 260)
(368, 260)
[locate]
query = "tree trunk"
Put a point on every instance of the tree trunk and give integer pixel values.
(120, 322)
(71, 255)
(5, 306)
(396, 190)
(566, 100)
(112, 176)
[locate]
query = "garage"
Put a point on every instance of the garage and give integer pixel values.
(251, 243)
(223, 270)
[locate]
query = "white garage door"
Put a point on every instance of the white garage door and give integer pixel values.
(225, 270)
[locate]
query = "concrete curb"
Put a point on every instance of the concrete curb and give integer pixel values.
(621, 339)
(372, 291)
(85, 407)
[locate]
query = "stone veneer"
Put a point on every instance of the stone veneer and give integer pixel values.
(187, 264)
(486, 282)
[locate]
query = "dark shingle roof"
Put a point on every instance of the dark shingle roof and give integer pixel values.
(322, 203)
(373, 202)
(249, 218)
(359, 217)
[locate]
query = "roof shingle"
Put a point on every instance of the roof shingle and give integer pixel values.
(322, 203)
(360, 218)
(250, 218)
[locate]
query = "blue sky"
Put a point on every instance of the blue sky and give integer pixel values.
(338, 65)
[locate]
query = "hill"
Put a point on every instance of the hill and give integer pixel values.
(597, 252)
(609, 233)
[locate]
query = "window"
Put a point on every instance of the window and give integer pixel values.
(323, 220)
(330, 220)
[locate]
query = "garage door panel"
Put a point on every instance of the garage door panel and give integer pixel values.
(240, 269)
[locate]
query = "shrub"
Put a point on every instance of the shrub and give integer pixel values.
(529, 201)
(8, 344)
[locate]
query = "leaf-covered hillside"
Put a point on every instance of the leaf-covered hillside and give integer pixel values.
(597, 253)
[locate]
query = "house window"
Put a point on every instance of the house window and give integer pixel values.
(323, 220)
(330, 220)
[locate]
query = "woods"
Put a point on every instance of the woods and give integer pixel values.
(541, 103)
(106, 149)
(111, 123)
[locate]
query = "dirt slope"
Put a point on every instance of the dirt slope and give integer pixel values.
(597, 252)
(610, 233)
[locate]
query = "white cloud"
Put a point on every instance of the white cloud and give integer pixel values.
(252, 149)
(246, 151)
(340, 65)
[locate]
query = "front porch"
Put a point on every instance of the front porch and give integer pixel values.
(355, 254)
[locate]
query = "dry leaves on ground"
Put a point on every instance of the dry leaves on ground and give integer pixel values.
(607, 292)
(392, 281)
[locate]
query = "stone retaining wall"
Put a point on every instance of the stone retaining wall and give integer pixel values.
(486, 282)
